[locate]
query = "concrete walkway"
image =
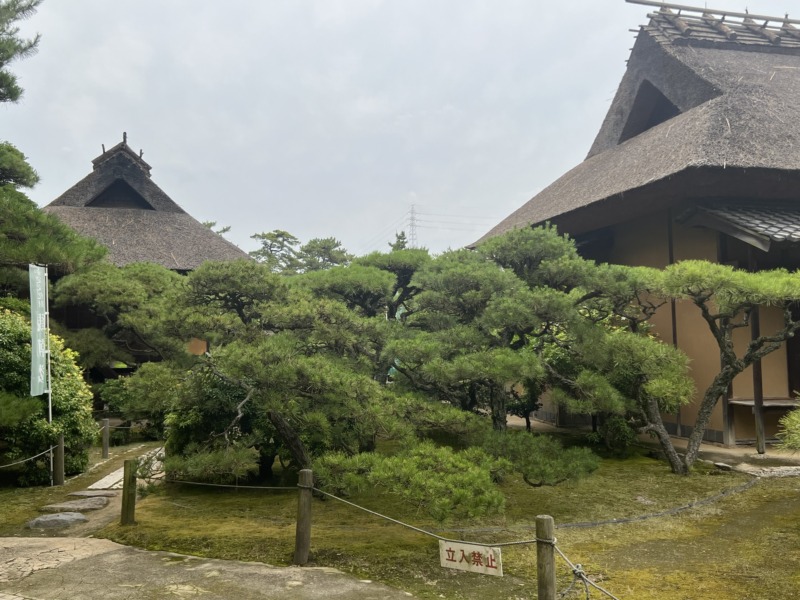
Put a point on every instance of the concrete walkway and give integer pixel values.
(94, 569)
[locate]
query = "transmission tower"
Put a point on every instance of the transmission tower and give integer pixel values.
(412, 226)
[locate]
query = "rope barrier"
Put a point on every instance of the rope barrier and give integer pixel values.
(223, 485)
(577, 570)
(578, 573)
(19, 462)
(377, 514)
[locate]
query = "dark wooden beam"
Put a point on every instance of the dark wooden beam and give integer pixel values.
(790, 30)
(672, 306)
(758, 377)
(773, 37)
(719, 25)
(728, 425)
(676, 21)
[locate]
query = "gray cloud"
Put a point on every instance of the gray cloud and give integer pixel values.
(327, 117)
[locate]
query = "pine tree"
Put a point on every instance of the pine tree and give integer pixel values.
(12, 46)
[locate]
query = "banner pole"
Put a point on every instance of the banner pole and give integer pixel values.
(47, 350)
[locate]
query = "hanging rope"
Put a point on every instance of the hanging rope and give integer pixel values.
(579, 574)
(19, 462)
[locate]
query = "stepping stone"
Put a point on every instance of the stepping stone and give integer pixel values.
(57, 521)
(84, 505)
(94, 494)
(113, 480)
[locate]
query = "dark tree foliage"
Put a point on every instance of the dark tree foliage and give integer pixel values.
(28, 235)
(12, 46)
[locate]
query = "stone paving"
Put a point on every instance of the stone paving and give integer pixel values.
(95, 569)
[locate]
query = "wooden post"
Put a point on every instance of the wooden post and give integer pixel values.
(758, 386)
(545, 557)
(106, 436)
(129, 493)
(58, 462)
(758, 378)
(302, 543)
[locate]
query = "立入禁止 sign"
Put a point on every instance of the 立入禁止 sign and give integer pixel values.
(470, 557)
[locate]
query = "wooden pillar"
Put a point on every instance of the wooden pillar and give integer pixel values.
(673, 310)
(128, 516)
(758, 387)
(106, 436)
(302, 543)
(58, 462)
(545, 557)
(728, 422)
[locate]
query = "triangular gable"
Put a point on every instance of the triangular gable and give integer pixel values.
(656, 87)
(120, 179)
(119, 195)
(650, 108)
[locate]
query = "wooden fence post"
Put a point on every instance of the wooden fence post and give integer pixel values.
(545, 557)
(58, 462)
(302, 541)
(129, 493)
(106, 436)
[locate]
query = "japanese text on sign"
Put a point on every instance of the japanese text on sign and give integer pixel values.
(39, 332)
(469, 557)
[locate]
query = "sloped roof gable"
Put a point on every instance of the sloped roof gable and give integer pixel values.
(119, 205)
(738, 110)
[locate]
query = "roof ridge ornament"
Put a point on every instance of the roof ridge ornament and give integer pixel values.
(713, 12)
(676, 20)
(790, 29)
(719, 25)
(774, 38)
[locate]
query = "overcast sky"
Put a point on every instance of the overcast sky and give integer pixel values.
(328, 117)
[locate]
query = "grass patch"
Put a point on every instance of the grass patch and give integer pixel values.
(20, 505)
(724, 550)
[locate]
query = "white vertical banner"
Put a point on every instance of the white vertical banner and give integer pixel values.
(40, 339)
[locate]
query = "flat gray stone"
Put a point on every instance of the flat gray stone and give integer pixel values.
(84, 505)
(94, 494)
(57, 521)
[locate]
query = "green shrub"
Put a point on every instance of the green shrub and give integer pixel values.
(24, 429)
(541, 460)
(616, 434)
(435, 479)
(226, 465)
(790, 430)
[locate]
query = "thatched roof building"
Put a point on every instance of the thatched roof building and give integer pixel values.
(707, 110)
(120, 206)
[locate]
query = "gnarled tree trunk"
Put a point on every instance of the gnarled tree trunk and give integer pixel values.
(289, 437)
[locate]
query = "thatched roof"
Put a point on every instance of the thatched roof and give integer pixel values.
(702, 102)
(122, 208)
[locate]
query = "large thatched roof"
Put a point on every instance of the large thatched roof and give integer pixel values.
(698, 96)
(122, 208)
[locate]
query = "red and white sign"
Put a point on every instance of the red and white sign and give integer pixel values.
(470, 557)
